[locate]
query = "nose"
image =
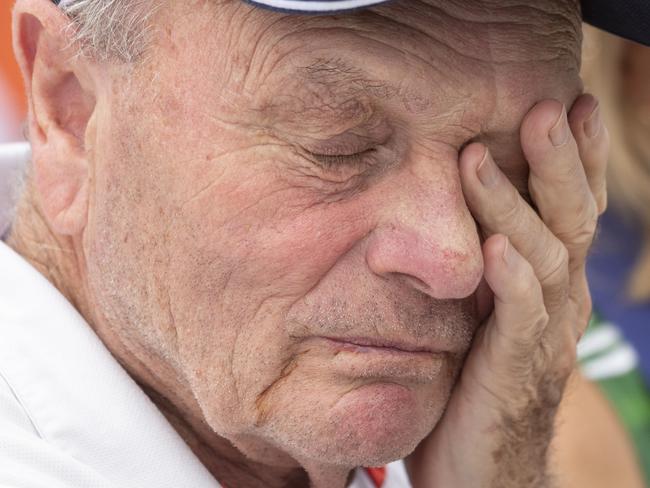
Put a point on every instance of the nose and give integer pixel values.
(425, 235)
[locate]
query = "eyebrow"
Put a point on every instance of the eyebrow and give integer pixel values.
(326, 91)
(337, 72)
(339, 77)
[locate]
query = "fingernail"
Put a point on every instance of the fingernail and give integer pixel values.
(507, 252)
(559, 133)
(487, 171)
(593, 123)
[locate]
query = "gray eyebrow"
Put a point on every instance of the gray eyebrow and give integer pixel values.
(337, 75)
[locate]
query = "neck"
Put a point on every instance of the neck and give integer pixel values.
(240, 461)
(54, 256)
(221, 457)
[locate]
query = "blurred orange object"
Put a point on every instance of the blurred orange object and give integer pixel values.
(12, 97)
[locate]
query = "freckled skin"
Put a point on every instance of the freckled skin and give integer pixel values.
(218, 248)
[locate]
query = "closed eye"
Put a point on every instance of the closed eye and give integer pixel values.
(329, 161)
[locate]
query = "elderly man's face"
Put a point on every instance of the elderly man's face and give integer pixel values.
(277, 213)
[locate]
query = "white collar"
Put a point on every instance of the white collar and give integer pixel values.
(78, 398)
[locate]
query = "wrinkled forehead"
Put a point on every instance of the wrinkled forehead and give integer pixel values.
(499, 31)
(429, 39)
(425, 57)
(446, 35)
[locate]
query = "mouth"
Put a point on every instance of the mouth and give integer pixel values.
(375, 345)
(369, 358)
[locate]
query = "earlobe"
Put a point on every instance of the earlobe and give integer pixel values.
(61, 103)
(61, 182)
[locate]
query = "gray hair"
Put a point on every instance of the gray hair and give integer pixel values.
(109, 29)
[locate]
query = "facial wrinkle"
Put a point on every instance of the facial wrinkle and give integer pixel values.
(262, 403)
(557, 22)
(337, 74)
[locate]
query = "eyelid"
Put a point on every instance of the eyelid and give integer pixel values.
(352, 141)
(340, 148)
(332, 160)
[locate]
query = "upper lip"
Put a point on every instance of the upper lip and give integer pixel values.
(383, 343)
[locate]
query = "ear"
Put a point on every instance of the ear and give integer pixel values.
(61, 101)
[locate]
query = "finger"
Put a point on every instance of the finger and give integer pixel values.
(557, 182)
(592, 138)
(580, 298)
(520, 317)
(499, 209)
(519, 333)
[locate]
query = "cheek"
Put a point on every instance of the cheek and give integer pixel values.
(264, 239)
(303, 248)
(125, 242)
(241, 256)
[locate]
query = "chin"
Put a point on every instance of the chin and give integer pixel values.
(369, 426)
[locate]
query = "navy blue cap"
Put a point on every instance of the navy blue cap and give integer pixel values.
(626, 18)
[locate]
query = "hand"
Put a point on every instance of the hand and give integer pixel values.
(499, 420)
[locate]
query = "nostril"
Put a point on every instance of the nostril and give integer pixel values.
(413, 282)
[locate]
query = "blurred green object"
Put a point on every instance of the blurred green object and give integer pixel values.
(612, 363)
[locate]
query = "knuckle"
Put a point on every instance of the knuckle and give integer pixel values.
(589, 217)
(524, 285)
(535, 322)
(565, 359)
(559, 355)
(556, 296)
(582, 231)
(555, 281)
(557, 266)
(510, 214)
(541, 319)
(581, 237)
(581, 241)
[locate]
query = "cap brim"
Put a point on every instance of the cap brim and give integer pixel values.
(315, 6)
(626, 18)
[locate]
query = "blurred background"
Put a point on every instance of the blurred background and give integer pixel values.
(12, 113)
(12, 104)
(615, 352)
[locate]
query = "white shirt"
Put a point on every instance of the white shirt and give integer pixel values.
(70, 415)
